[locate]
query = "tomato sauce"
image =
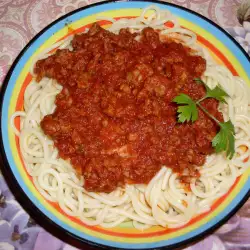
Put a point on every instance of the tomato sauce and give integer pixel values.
(115, 120)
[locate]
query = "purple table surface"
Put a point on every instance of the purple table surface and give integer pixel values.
(20, 20)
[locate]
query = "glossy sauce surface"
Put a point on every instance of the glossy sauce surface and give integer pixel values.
(115, 120)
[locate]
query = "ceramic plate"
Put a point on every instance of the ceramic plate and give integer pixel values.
(223, 48)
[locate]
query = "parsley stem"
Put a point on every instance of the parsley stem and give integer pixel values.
(203, 98)
(211, 116)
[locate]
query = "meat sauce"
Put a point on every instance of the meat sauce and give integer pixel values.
(115, 120)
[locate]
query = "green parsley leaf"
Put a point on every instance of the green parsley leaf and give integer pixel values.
(188, 110)
(218, 93)
(224, 140)
(198, 80)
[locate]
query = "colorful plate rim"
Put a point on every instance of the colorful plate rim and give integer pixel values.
(30, 206)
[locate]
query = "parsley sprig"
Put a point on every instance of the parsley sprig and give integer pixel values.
(188, 111)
